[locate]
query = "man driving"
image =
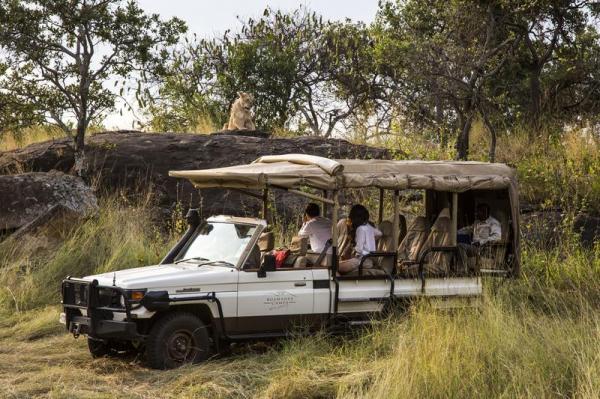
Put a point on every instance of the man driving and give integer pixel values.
(315, 227)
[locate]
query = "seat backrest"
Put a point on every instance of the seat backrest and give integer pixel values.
(266, 241)
(299, 245)
(501, 217)
(440, 236)
(344, 239)
(402, 229)
(386, 244)
(416, 235)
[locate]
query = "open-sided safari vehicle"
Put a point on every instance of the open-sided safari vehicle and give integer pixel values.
(219, 283)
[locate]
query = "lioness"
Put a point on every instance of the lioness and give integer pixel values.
(240, 117)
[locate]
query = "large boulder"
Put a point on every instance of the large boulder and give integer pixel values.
(30, 200)
(134, 160)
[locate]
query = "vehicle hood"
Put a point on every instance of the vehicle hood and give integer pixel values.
(170, 277)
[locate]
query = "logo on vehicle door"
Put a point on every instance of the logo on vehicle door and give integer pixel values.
(279, 299)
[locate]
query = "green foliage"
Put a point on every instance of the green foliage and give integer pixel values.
(61, 54)
(296, 65)
(430, 68)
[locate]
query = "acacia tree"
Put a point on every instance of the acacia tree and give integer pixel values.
(61, 54)
(302, 71)
(449, 52)
(557, 58)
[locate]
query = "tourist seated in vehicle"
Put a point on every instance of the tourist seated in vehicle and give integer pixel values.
(485, 230)
(316, 228)
(364, 234)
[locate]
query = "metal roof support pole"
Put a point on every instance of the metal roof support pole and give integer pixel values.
(307, 195)
(381, 194)
(265, 209)
(396, 226)
(453, 233)
(334, 256)
(334, 232)
(325, 204)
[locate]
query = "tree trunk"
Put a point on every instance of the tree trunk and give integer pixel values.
(439, 118)
(492, 152)
(462, 143)
(80, 164)
(535, 107)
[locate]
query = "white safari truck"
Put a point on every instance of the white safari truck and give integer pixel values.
(220, 284)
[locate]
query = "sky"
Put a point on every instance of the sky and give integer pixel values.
(211, 18)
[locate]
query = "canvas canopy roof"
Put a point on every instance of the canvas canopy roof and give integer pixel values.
(297, 170)
(292, 171)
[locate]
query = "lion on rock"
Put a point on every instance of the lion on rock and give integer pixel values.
(240, 117)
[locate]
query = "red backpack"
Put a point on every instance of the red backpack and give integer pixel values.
(280, 257)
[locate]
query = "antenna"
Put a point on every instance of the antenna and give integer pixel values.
(114, 279)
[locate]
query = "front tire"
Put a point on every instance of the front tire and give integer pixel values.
(99, 348)
(177, 339)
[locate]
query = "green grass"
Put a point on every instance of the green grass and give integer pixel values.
(120, 236)
(538, 336)
(535, 337)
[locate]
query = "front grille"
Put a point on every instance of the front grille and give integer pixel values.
(109, 298)
(76, 293)
(81, 295)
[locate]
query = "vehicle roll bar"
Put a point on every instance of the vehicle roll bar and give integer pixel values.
(193, 219)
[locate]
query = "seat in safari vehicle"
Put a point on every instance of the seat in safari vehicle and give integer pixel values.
(410, 247)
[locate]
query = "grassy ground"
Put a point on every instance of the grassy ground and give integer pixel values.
(510, 347)
(535, 337)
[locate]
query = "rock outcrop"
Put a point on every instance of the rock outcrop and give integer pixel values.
(36, 209)
(136, 161)
(29, 201)
(547, 229)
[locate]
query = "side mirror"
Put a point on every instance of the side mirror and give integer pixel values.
(193, 217)
(268, 265)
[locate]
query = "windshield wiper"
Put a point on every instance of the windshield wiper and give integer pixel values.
(216, 261)
(198, 258)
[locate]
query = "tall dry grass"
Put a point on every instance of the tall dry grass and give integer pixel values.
(535, 337)
(11, 141)
(119, 236)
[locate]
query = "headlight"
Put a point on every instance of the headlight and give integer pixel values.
(136, 295)
(133, 296)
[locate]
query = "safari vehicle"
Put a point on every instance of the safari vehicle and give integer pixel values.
(219, 284)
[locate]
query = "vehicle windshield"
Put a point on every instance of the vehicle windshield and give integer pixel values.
(218, 242)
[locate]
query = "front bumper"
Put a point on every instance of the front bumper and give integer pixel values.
(103, 328)
(88, 311)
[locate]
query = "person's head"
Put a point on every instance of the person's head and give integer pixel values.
(482, 212)
(312, 211)
(358, 215)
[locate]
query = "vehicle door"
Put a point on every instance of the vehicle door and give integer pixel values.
(281, 300)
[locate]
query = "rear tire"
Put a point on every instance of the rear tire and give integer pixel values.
(177, 339)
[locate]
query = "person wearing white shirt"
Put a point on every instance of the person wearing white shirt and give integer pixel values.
(486, 229)
(316, 228)
(364, 234)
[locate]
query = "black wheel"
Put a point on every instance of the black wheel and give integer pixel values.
(177, 339)
(99, 348)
